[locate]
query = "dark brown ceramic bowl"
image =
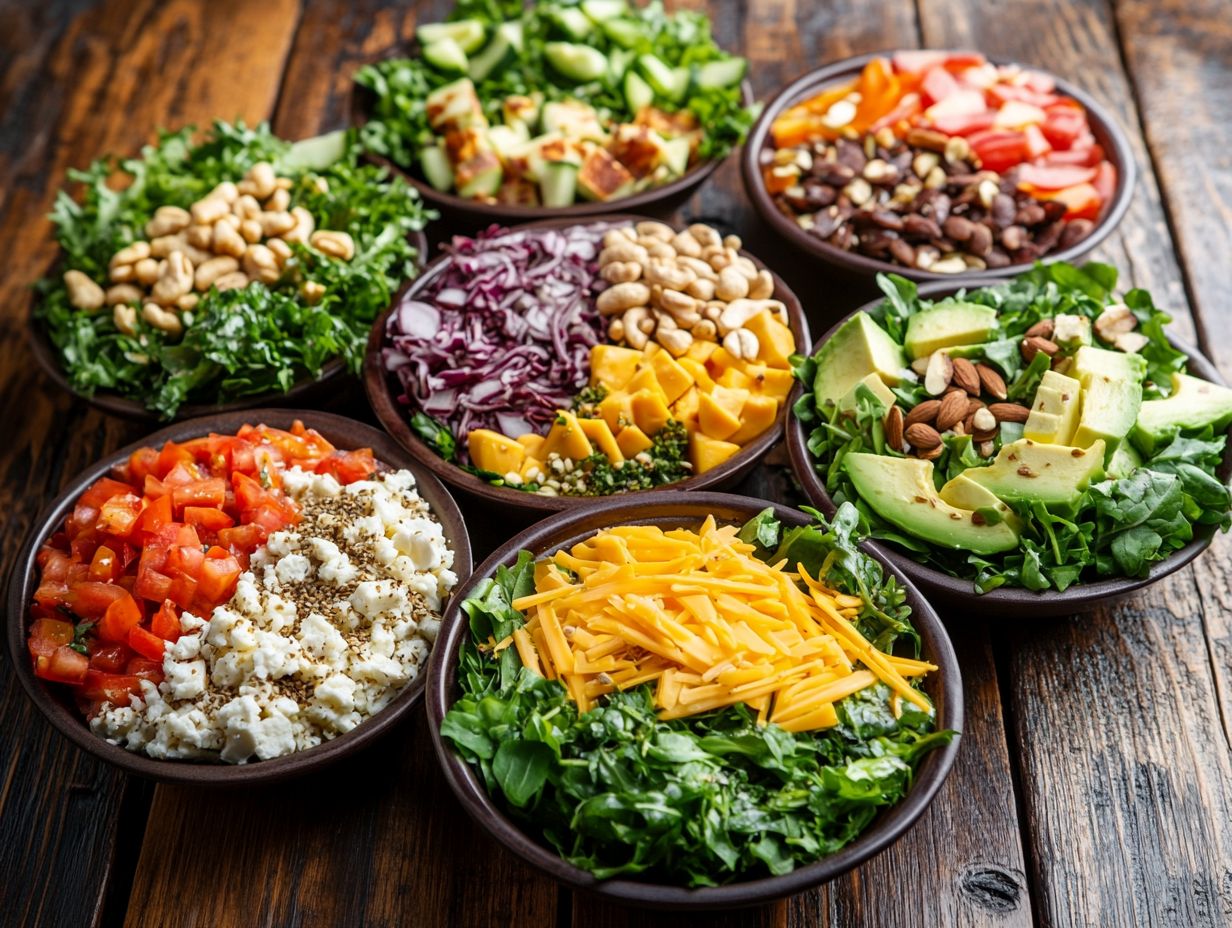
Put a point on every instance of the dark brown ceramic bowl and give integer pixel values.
(1105, 129)
(304, 392)
(674, 510)
(472, 215)
(53, 701)
(383, 390)
(1008, 602)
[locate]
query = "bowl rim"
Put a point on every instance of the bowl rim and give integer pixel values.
(306, 389)
(450, 204)
(341, 431)
(1106, 129)
(676, 507)
(1076, 598)
(390, 413)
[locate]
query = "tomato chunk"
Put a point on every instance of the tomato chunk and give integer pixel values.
(48, 635)
(146, 643)
(115, 688)
(348, 466)
(166, 622)
(64, 665)
(109, 658)
(121, 616)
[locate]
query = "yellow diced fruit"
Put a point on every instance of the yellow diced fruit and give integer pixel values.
(777, 382)
(701, 350)
(735, 378)
(706, 453)
(685, 409)
(531, 464)
(532, 442)
(651, 349)
(616, 410)
(492, 451)
(650, 413)
(602, 438)
(612, 366)
(566, 438)
(731, 398)
(697, 370)
(632, 441)
(756, 416)
(645, 379)
(720, 360)
(716, 419)
(673, 378)
(775, 342)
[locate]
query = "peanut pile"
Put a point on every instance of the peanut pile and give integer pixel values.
(676, 287)
(235, 234)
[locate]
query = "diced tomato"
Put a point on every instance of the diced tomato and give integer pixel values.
(1039, 82)
(119, 514)
(183, 559)
(52, 593)
(91, 600)
(154, 488)
(155, 516)
(146, 643)
(166, 622)
(152, 584)
(1001, 93)
(83, 546)
(184, 473)
(938, 83)
(219, 574)
(171, 456)
(82, 520)
(1082, 201)
(145, 668)
(1045, 177)
(183, 590)
(47, 635)
(1077, 154)
(211, 492)
(142, 463)
(245, 538)
(110, 658)
(1065, 121)
(64, 665)
(121, 616)
(102, 490)
(1105, 181)
(54, 564)
(348, 466)
(964, 125)
(177, 533)
(917, 61)
(959, 103)
(115, 688)
(999, 151)
(105, 567)
(201, 517)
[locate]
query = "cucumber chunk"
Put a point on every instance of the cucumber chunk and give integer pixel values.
(436, 167)
(504, 45)
(315, 154)
(558, 183)
(626, 33)
(580, 63)
(446, 55)
(600, 11)
(468, 33)
(669, 83)
(572, 22)
(638, 93)
(718, 74)
(676, 155)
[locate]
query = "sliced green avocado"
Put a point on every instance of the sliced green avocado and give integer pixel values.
(860, 347)
(1115, 364)
(1028, 471)
(901, 491)
(1124, 461)
(1195, 403)
(962, 492)
(1054, 411)
(875, 385)
(948, 324)
(1109, 410)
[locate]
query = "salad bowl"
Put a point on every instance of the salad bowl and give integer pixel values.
(1013, 602)
(676, 510)
(53, 699)
(383, 390)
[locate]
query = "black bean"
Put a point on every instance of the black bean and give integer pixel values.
(1013, 237)
(1030, 214)
(876, 243)
(902, 252)
(980, 242)
(1075, 231)
(996, 258)
(921, 226)
(1003, 210)
(958, 228)
(888, 220)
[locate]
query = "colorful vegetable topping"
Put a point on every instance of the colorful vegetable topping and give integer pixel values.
(503, 360)
(240, 596)
(226, 268)
(700, 665)
(1039, 433)
(557, 102)
(941, 162)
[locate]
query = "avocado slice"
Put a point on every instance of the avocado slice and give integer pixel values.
(1195, 403)
(901, 491)
(1054, 411)
(1028, 471)
(860, 347)
(962, 492)
(1124, 461)
(1115, 364)
(875, 385)
(1109, 409)
(947, 324)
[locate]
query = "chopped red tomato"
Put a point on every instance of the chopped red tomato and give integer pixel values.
(220, 572)
(109, 658)
(114, 688)
(145, 668)
(121, 617)
(102, 490)
(146, 643)
(348, 466)
(938, 83)
(211, 492)
(1105, 181)
(997, 150)
(64, 665)
(1037, 144)
(166, 622)
(119, 514)
(1064, 122)
(49, 635)
(105, 567)
(206, 518)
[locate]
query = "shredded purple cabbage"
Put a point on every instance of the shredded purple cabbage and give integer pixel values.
(501, 337)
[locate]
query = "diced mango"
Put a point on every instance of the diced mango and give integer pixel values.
(756, 416)
(492, 451)
(736, 378)
(529, 465)
(777, 382)
(775, 342)
(566, 438)
(532, 442)
(651, 349)
(632, 441)
(730, 398)
(685, 408)
(720, 360)
(602, 438)
(673, 378)
(645, 379)
(650, 412)
(700, 350)
(697, 370)
(616, 410)
(706, 453)
(612, 366)
(715, 419)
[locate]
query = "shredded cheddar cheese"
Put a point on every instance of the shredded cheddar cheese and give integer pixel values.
(711, 625)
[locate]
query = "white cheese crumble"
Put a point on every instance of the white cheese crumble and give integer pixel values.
(329, 623)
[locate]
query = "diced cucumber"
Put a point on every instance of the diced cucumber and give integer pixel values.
(676, 155)
(504, 45)
(314, 154)
(580, 63)
(726, 73)
(638, 93)
(572, 22)
(446, 55)
(436, 167)
(618, 61)
(626, 33)
(669, 83)
(468, 33)
(600, 11)
(558, 183)
(479, 176)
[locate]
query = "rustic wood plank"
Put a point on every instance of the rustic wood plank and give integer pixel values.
(1117, 714)
(67, 69)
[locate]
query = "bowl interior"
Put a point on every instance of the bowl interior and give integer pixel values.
(1015, 602)
(383, 389)
(54, 701)
(1105, 129)
(677, 509)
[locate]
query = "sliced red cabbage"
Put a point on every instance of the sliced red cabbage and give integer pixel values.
(501, 337)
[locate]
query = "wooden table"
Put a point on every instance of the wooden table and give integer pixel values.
(1094, 785)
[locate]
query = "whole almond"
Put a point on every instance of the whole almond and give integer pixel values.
(967, 424)
(1009, 412)
(894, 428)
(953, 410)
(966, 376)
(922, 436)
(973, 404)
(1035, 344)
(929, 454)
(924, 412)
(993, 382)
(984, 436)
(1041, 329)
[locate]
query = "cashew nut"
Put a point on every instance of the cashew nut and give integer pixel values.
(311, 291)
(176, 279)
(264, 181)
(226, 191)
(732, 285)
(621, 272)
(246, 207)
(167, 220)
(335, 244)
(123, 273)
(651, 229)
(702, 289)
(208, 211)
(761, 287)
(698, 267)
(618, 235)
(738, 312)
(83, 292)
(279, 201)
(125, 318)
(635, 337)
(743, 265)
(686, 244)
(227, 241)
(669, 276)
(130, 254)
(676, 341)
(623, 251)
(123, 293)
(236, 280)
(146, 271)
(250, 231)
(279, 224)
(660, 250)
(676, 303)
(1115, 319)
(260, 264)
(199, 236)
(733, 242)
(208, 272)
(616, 331)
(282, 251)
(741, 344)
(160, 318)
(704, 235)
(188, 301)
(303, 228)
(618, 298)
(705, 330)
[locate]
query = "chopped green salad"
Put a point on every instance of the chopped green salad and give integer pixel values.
(1036, 434)
(155, 300)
